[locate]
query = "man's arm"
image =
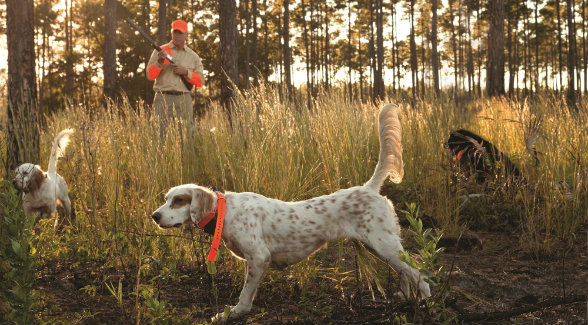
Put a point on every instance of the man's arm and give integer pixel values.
(194, 76)
(153, 67)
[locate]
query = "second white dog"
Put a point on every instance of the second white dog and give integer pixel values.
(42, 190)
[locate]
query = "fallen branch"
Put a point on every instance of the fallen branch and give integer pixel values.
(476, 317)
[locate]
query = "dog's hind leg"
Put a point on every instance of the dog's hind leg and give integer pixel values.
(388, 249)
(65, 201)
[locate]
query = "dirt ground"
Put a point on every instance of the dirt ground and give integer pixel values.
(497, 283)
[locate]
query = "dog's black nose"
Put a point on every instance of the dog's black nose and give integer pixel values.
(156, 217)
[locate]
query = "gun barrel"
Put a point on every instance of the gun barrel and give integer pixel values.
(149, 39)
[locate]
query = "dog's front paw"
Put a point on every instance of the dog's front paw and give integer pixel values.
(229, 313)
(400, 296)
(219, 318)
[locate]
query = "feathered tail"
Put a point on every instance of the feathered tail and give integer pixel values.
(59, 144)
(390, 161)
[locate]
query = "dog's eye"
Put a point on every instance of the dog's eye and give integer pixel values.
(178, 200)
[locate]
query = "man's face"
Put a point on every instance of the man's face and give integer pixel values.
(179, 38)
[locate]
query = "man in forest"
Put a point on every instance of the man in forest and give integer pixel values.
(173, 79)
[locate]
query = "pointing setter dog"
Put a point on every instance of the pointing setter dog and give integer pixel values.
(480, 157)
(268, 232)
(42, 190)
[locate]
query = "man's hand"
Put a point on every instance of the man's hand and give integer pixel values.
(180, 70)
(161, 56)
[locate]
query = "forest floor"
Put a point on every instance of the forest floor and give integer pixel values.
(497, 283)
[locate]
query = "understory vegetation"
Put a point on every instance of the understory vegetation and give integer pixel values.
(120, 164)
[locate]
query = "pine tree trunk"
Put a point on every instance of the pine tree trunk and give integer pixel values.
(511, 55)
(585, 47)
(571, 95)
(228, 52)
(22, 136)
(109, 68)
(265, 40)
(307, 51)
(559, 45)
(454, 48)
(148, 90)
(470, 55)
(349, 50)
(247, 43)
(44, 38)
(379, 77)
(434, 53)
(327, 49)
(372, 48)
(525, 51)
(393, 41)
(495, 72)
(536, 76)
(162, 22)
(286, 49)
(413, 55)
(69, 65)
(254, 13)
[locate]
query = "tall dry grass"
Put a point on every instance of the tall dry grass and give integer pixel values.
(118, 165)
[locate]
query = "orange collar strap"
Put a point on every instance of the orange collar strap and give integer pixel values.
(208, 217)
(219, 214)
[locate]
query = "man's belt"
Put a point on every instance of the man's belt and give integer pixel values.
(173, 93)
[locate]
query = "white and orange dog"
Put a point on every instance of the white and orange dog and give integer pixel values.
(268, 232)
(42, 190)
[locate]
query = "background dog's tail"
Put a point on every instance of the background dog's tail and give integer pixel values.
(59, 144)
(390, 161)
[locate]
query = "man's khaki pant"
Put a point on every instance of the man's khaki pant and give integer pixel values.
(170, 106)
(175, 109)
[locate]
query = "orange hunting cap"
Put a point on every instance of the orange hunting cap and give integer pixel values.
(180, 25)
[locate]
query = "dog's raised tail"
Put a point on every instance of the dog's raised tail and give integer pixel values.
(58, 150)
(390, 161)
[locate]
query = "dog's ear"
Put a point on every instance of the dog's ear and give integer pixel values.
(202, 203)
(37, 178)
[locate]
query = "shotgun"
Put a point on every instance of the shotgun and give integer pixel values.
(158, 48)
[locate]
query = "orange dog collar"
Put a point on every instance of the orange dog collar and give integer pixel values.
(219, 213)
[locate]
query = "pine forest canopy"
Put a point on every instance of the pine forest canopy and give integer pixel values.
(370, 47)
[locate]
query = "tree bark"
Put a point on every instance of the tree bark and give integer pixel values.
(511, 48)
(454, 48)
(585, 47)
(349, 51)
(228, 52)
(148, 89)
(109, 68)
(286, 48)
(247, 43)
(536, 76)
(22, 136)
(393, 41)
(470, 55)
(69, 64)
(307, 52)
(327, 50)
(571, 95)
(413, 55)
(495, 68)
(379, 92)
(434, 52)
(372, 51)
(254, 13)
(559, 45)
(162, 22)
